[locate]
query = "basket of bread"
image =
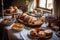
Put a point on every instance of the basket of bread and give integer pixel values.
(30, 20)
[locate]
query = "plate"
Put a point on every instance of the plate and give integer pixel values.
(31, 36)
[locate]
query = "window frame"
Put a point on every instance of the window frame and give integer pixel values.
(42, 7)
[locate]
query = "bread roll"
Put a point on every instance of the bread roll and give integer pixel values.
(16, 9)
(35, 12)
(11, 9)
(30, 20)
(33, 33)
(39, 29)
(38, 22)
(41, 34)
(19, 16)
(48, 32)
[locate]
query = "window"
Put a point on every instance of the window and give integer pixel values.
(42, 3)
(34, 3)
(46, 4)
(49, 4)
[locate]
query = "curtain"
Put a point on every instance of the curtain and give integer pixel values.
(31, 5)
(57, 9)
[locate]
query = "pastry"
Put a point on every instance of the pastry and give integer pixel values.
(17, 25)
(16, 9)
(34, 19)
(39, 29)
(56, 28)
(19, 16)
(33, 33)
(41, 34)
(5, 21)
(11, 9)
(38, 22)
(30, 20)
(34, 12)
(48, 32)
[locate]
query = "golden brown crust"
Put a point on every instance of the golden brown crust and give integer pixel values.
(5, 21)
(30, 19)
(33, 33)
(17, 25)
(41, 34)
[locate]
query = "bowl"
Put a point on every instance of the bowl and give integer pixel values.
(17, 27)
